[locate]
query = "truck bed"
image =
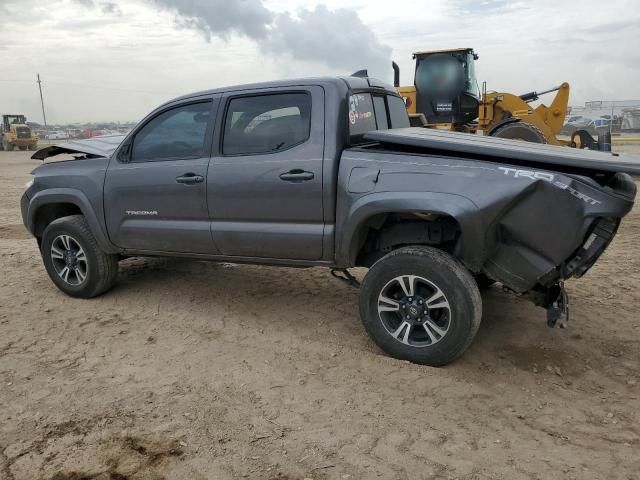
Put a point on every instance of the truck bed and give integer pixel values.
(546, 156)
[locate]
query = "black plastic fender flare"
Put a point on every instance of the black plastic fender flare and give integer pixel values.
(460, 208)
(80, 200)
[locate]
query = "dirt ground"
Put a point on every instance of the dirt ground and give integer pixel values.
(196, 370)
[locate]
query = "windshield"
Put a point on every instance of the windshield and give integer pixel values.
(446, 75)
(471, 83)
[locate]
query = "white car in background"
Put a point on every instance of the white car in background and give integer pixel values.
(57, 135)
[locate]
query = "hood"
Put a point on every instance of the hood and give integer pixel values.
(90, 147)
(495, 149)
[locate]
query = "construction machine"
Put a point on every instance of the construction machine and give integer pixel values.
(446, 95)
(16, 133)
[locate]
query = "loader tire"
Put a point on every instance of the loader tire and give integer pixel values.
(520, 131)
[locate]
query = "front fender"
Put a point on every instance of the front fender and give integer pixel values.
(74, 197)
(462, 209)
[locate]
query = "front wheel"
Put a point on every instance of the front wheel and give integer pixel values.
(420, 304)
(73, 259)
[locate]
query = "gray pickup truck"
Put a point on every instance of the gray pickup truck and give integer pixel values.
(326, 172)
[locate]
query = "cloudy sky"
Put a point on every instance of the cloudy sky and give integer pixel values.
(118, 59)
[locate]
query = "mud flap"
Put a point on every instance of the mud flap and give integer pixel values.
(558, 307)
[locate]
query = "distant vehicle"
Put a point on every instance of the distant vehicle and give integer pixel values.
(57, 135)
(598, 125)
(14, 132)
(573, 123)
(88, 133)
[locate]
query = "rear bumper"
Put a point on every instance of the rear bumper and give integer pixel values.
(597, 241)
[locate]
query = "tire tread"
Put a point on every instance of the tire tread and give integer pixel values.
(438, 257)
(107, 264)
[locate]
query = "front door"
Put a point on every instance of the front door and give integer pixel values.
(265, 183)
(155, 187)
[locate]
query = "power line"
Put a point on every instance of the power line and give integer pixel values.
(86, 85)
(44, 116)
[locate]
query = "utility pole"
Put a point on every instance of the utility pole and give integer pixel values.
(42, 103)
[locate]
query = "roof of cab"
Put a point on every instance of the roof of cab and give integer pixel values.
(351, 83)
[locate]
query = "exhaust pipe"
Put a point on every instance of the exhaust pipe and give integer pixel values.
(396, 74)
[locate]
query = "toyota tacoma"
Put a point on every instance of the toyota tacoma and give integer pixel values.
(327, 172)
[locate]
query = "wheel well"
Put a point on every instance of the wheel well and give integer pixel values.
(389, 231)
(48, 213)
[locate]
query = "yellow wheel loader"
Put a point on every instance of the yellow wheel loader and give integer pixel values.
(445, 95)
(15, 133)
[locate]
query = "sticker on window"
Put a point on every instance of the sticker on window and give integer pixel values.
(361, 115)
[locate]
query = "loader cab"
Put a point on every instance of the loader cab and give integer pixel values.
(446, 89)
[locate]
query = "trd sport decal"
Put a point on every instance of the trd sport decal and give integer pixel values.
(549, 177)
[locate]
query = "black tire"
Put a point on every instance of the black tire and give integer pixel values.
(100, 269)
(434, 271)
(8, 146)
(520, 131)
(23, 148)
(33, 146)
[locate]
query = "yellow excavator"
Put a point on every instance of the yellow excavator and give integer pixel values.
(445, 95)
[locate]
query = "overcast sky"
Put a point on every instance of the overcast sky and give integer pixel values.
(118, 59)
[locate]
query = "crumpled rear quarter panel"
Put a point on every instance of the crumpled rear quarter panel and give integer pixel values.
(517, 225)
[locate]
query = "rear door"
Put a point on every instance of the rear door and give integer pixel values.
(265, 183)
(155, 187)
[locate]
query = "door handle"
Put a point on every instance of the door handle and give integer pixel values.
(190, 178)
(296, 175)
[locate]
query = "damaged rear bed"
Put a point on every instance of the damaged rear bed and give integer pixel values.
(531, 230)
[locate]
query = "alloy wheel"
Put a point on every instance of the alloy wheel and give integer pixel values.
(69, 260)
(414, 311)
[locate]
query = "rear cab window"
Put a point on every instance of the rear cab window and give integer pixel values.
(375, 111)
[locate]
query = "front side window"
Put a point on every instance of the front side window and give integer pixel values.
(266, 123)
(174, 134)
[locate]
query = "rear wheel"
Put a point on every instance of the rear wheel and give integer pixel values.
(420, 304)
(7, 146)
(520, 131)
(74, 260)
(33, 146)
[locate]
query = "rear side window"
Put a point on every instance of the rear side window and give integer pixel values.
(361, 116)
(266, 123)
(369, 112)
(397, 112)
(381, 112)
(176, 133)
